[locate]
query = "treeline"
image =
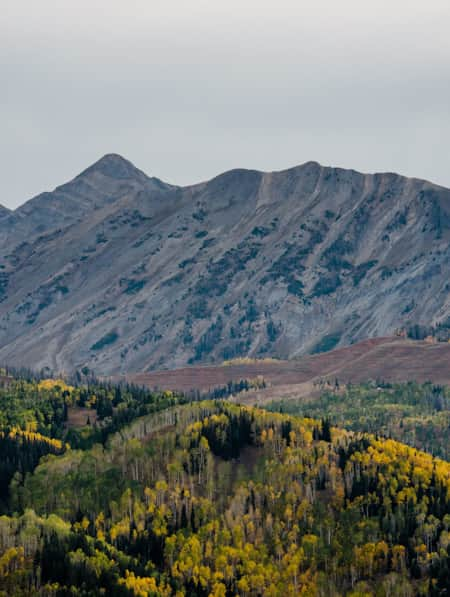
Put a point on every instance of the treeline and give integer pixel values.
(440, 332)
(234, 387)
(213, 499)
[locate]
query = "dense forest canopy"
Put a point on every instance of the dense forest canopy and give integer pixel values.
(417, 414)
(40, 416)
(116, 490)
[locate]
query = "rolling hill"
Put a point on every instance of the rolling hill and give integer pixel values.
(389, 359)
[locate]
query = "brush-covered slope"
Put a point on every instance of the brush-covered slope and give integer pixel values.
(214, 499)
(385, 359)
(131, 274)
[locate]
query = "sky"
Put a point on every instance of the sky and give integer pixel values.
(189, 89)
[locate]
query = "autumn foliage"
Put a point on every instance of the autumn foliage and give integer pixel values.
(215, 499)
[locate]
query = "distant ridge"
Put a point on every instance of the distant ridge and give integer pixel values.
(122, 273)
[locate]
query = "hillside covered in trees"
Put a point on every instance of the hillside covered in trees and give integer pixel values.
(156, 497)
(416, 414)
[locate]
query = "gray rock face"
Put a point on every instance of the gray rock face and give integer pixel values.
(106, 181)
(120, 272)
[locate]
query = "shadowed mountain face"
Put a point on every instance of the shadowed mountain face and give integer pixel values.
(121, 272)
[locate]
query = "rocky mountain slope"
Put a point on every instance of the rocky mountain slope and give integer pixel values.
(100, 185)
(120, 272)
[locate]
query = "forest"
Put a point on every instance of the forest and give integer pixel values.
(152, 493)
(416, 414)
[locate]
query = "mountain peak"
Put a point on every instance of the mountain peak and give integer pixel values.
(114, 166)
(247, 264)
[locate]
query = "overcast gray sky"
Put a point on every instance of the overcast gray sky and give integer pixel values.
(186, 89)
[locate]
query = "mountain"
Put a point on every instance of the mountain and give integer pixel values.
(4, 211)
(119, 272)
(111, 178)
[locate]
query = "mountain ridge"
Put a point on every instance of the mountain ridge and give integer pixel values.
(107, 161)
(145, 274)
